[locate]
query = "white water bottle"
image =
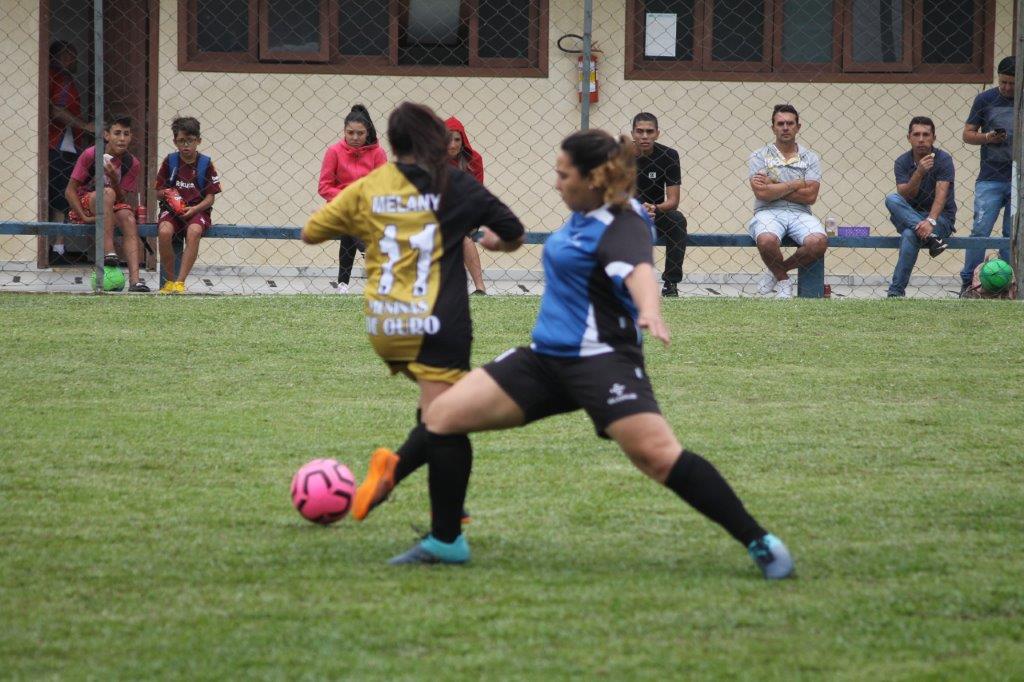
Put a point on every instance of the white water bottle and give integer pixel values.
(830, 226)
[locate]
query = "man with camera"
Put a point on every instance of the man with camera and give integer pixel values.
(990, 125)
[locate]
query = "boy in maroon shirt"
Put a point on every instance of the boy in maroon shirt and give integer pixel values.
(189, 176)
(120, 179)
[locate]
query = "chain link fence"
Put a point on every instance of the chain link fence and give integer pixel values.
(271, 83)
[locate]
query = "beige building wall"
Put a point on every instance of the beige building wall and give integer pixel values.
(19, 122)
(267, 134)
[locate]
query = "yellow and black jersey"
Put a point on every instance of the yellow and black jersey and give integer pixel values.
(417, 304)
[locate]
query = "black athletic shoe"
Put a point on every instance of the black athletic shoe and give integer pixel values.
(110, 260)
(479, 292)
(670, 290)
(935, 245)
(139, 288)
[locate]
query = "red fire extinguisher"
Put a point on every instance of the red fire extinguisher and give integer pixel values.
(594, 91)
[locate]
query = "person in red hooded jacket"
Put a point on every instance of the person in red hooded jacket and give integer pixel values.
(462, 155)
(67, 131)
(349, 159)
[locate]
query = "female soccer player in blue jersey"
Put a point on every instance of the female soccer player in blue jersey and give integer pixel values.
(600, 293)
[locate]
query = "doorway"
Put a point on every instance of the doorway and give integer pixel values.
(129, 86)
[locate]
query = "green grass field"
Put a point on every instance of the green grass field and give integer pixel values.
(146, 531)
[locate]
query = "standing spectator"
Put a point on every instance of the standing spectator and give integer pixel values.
(923, 207)
(120, 179)
(462, 155)
(188, 179)
(990, 124)
(66, 133)
(349, 159)
(785, 179)
(658, 178)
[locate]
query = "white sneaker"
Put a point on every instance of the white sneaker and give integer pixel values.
(766, 284)
(784, 289)
(342, 288)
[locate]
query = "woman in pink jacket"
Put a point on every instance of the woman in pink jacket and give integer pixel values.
(354, 156)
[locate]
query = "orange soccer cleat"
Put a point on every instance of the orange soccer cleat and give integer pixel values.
(375, 488)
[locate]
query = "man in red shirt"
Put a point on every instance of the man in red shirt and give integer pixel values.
(67, 129)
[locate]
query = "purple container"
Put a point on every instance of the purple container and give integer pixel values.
(853, 231)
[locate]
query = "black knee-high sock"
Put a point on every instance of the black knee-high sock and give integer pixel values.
(698, 482)
(412, 453)
(451, 461)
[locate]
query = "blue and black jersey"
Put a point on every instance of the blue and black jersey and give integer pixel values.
(586, 308)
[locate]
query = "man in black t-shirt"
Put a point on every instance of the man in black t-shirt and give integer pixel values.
(658, 177)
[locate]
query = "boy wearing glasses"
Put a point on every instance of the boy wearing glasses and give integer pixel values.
(186, 185)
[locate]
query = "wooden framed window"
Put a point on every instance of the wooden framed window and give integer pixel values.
(811, 40)
(877, 36)
(738, 35)
(808, 38)
(429, 37)
(221, 30)
(293, 30)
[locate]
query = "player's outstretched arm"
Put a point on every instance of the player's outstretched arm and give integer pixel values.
(492, 242)
(644, 290)
(335, 218)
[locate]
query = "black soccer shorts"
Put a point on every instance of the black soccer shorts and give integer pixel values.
(608, 387)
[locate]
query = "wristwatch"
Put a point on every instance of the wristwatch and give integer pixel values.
(932, 221)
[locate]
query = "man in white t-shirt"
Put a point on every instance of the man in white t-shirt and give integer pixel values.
(785, 179)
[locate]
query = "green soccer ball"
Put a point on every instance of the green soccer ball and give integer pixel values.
(113, 279)
(996, 276)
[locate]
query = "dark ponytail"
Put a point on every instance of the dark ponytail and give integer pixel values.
(610, 164)
(360, 114)
(415, 130)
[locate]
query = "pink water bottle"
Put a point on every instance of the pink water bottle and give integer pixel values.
(140, 210)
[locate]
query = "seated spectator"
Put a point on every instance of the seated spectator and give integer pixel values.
(462, 155)
(66, 133)
(658, 178)
(186, 184)
(349, 159)
(923, 207)
(785, 179)
(120, 178)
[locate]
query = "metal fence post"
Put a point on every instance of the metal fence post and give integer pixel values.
(1017, 238)
(98, 171)
(588, 21)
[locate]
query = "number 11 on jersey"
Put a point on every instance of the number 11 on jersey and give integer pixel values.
(391, 248)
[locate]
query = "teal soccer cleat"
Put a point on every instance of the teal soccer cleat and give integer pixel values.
(772, 557)
(430, 550)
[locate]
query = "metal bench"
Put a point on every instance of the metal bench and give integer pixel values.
(810, 282)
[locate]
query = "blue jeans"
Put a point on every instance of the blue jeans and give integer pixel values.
(989, 197)
(905, 218)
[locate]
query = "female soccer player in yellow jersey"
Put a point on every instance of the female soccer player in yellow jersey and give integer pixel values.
(413, 215)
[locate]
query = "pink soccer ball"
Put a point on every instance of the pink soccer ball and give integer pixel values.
(322, 490)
